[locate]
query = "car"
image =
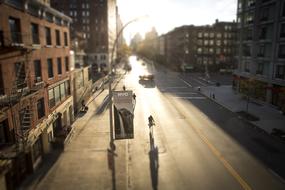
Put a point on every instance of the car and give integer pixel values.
(146, 77)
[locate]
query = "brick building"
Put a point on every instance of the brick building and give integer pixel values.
(200, 48)
(35, 92)
(94, 27)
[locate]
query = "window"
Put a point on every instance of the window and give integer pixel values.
(1, 82)
(15, 29)
(51, 98)
(57, 94)
(219, 35)
(50, 68)
(281, 53)
(59, 66)
(283, 11)
(67, 87)
(280, 71)
(49, 17)
(262, 34)
(199, 50)
(66, 64)
(57, 37)
(282, 30)
(249, 18)
(20, 74)
(200, 42)
(261, 51)
(65, 39)
(251, 3)
(218, 42)
(1, 39)
(218, 50)
(4, 132)
(41, 108)
(212, 35)
(246, 66)
(200, 34)
(248, 34)
(37, 149)
(48, 36)
(35, 33)
(58, 21)
(264, 14)
(260, 67)
(38, 70)
(62, 91)
(246, 50)
(206, 42)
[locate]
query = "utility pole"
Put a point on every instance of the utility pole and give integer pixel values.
(110, 77)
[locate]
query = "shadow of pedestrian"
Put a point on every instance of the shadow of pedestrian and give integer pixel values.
(154, 163)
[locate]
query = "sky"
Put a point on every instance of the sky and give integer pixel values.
(165, 15)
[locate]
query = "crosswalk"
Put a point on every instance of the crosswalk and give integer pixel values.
(180, 92)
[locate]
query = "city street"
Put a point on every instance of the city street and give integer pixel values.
(194, 144)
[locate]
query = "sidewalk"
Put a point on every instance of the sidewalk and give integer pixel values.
(269, 117)
(85, 157)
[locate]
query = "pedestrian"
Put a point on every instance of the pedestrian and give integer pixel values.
(124, 88)
(134, 96)
(214, 96)
(150, 120)
(83, 105)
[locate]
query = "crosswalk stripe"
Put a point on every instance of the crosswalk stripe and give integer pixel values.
(189, 98)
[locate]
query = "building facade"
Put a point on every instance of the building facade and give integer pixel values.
(94, 27)
(261, 50)
(35, 92)
(200, 48)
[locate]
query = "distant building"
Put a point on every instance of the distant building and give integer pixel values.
(261, 50)
(94, 27)
(36, 105)
(199, 48)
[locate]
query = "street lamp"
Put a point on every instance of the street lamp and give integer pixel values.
(112, 146)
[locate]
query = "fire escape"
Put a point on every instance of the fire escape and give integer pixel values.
(19, 98)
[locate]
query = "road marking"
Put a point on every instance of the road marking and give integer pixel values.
(185, 93)
(176, 87)
(215, 151)
(278, 176)
(227, 165)
(188, 84)
(203, 84)
(189, 98)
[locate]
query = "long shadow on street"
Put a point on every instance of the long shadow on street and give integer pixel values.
(153, 161)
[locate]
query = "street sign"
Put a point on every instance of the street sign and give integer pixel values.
(123, 114)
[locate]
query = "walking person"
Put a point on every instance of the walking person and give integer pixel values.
(151, 123)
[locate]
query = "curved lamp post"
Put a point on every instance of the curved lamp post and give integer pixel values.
(112, 146)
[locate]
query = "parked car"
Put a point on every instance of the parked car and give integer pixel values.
(146, 77)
